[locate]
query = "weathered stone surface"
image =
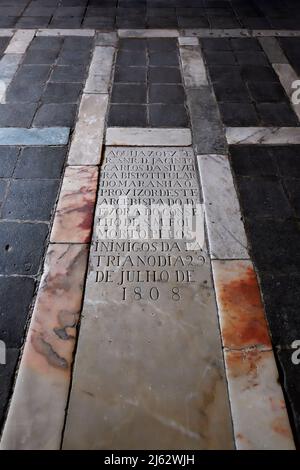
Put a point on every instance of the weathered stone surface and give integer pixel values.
(273, 50)
(74, 213)
(208, 135)
(100, 70)
(258, 409)
(226, 233)
(148, 136)
(20, 41)
(193, 68)
(34, 136)
(262, 135)
(36, 415)
(88, 135)
(149, 369)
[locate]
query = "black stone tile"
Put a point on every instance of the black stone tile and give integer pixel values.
(162, 22)
(223, 22)
(98, 22)
(40, 57)
(245, 44)
(32, 73)
(217, 44)
(21, 247)
(262, 197)
(55, 115)
(127, 115)
(6, 379)
(17, 115)
(8, 158)
(162, 45)
(253, 161)
(251, 58)
(127, 93)
(30, 199)
(164, 75)
(189, 22)
(292, 187)
(16, 294)
(61, 92)
(166, 94)
(65, 23)
(280, 294)
(8, 22)
(220, 57)
(231, 90)
(79, 43)
(277, 114)
(68, 73)
(258, 73)
(271, 243)
(70, 11)
(47, 43)
(24, 91)
(73, 57)
(131, 58)
(288, 160)
(165, 58)
(33, 22)
(130, 74)
(127, 44)
(221, 72)
(170, 115)
(238, 114)
(265, 92)
(40, 162)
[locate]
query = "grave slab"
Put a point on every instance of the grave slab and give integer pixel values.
(149, 370)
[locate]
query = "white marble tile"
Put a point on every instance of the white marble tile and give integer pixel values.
(87, 139)
(6, 32)
(100, 70)
(226, 233)
(106, 39)
(263, 135)
(215, 33)
(287, 76)
(148, 33)
(36, 415)
(275, 32)
(8, 67)
(148, 136)
(273, 50)
(20, 41)
(193, 68)
(259, 415)
(66, 32)
(186, 41)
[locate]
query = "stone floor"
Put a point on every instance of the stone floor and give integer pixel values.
(153, 345)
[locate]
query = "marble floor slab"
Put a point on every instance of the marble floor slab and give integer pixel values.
(149, 371)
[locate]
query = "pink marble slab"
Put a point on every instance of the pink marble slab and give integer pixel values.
(242, 316)
(75, 209)
(37, 410)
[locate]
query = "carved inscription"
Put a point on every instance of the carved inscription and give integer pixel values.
(162, 184)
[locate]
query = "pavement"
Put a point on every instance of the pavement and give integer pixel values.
(196, 99)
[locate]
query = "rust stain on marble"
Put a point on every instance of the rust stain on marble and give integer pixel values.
(242, 363)
(242, 314)
(74, 214)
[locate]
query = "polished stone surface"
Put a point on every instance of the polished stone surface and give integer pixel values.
(149, 370)
(75, 208)
(34, 136)
(262, 135)
(36, 416)
(148, 136)
(226, 233)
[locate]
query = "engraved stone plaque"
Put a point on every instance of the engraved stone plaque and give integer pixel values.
(148, 372)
